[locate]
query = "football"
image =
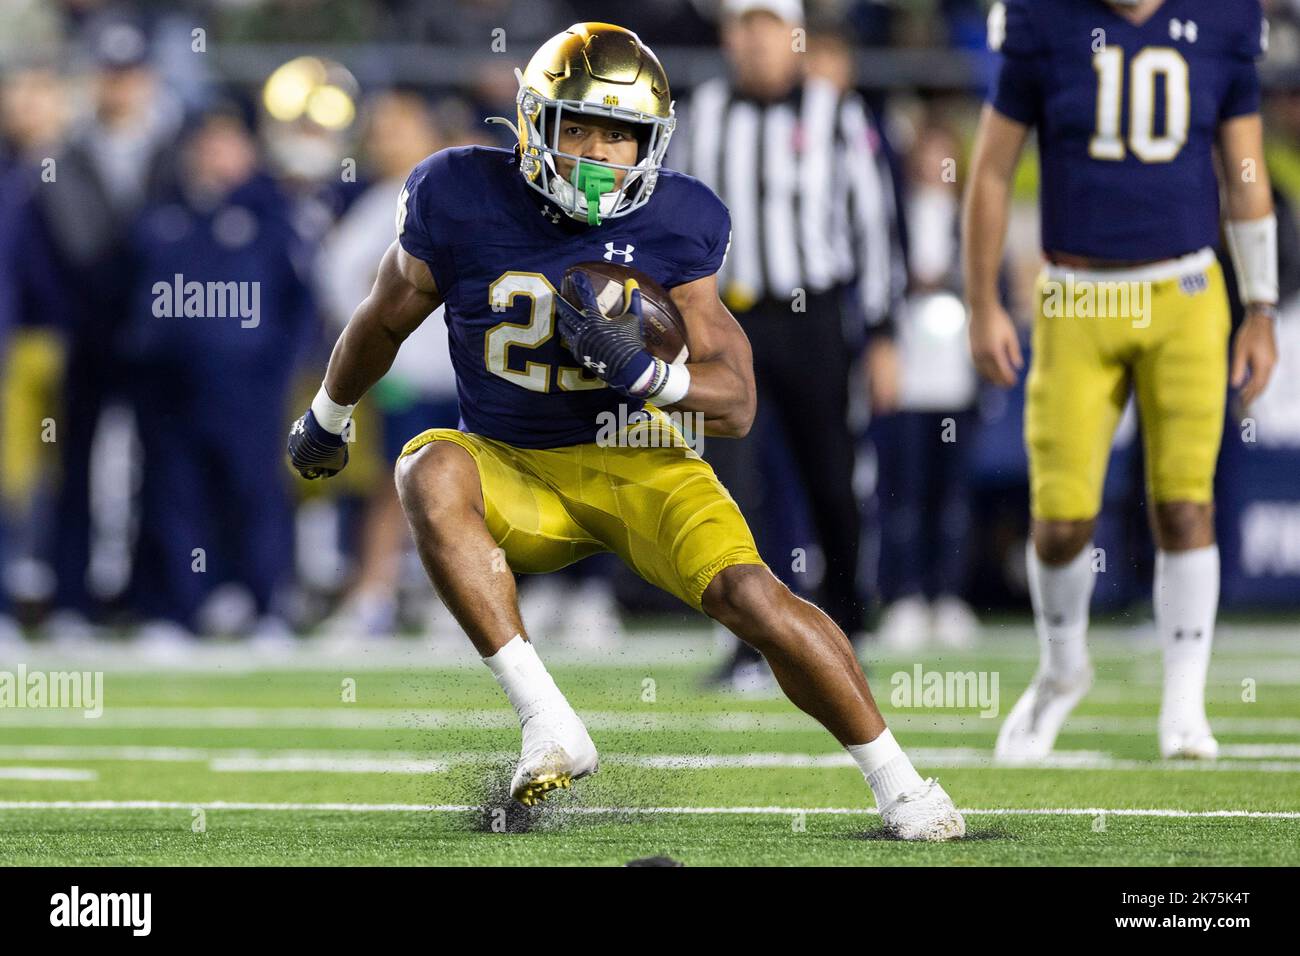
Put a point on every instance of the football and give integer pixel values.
(663, 330)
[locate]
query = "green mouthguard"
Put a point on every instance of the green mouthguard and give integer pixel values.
(593, 182)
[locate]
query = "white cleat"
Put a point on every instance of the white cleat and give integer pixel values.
(926, 813)
(557, 751)
(1195, 744)
(1030, 730)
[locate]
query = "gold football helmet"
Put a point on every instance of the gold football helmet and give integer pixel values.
(602, 70)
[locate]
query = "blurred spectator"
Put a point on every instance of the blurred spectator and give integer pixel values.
(419, 392)
(114, 163)
(32, 120)
(923, 446)
(33, 114)
(814, 268)
(309, 111)
(830, 58)
(220, 313)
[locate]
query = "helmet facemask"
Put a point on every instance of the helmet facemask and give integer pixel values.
(540, 122)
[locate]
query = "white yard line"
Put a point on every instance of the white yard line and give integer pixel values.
(621, 811)
(1258, 751)
(61, 774)
(143, 754)
(955, 757)
(691, 644)
(342, 760)
(337, 716)
(328, 765)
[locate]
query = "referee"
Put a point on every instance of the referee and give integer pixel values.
(815, 266)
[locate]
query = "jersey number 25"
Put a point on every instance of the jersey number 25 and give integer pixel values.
(536, 376)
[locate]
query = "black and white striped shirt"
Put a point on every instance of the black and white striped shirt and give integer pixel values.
(809, 190)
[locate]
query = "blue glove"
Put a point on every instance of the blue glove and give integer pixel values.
(315, 452)
(613, 348)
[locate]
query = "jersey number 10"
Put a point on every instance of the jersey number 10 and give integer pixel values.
(1152, 62)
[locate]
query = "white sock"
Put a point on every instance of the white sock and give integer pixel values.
(886, 767)
(523, 677)
(1186, 598)
(1060, 595)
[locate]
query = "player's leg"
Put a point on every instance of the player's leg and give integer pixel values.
(1181, 384)
(666, 514)
(737, 464)
(1186, 597)
(1074, 396)
(476, 517)
(441, 494)
(816, 668)
(809, 654)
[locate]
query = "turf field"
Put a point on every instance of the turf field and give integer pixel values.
(229, 759)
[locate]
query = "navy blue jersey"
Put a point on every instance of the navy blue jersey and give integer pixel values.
(1127, 116)
(498, 253)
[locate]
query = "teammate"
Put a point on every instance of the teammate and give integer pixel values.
(524, 485)
(1130, 99)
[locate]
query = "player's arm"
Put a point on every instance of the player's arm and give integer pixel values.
(721, 366)
(402, 297)
(1251, 229)
(995, 345)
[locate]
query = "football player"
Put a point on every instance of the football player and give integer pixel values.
(523, 485)
(1130, 99)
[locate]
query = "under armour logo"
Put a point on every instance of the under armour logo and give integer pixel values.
(1183, 30)
(611, 252)
(1179, 634)
(551, 214)
(298, 427)
(597, 367)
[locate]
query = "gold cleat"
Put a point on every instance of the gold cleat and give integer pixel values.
(535, 791)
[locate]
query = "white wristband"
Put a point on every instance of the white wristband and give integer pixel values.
(676, 384)
(1253, 247)
(330, 415)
